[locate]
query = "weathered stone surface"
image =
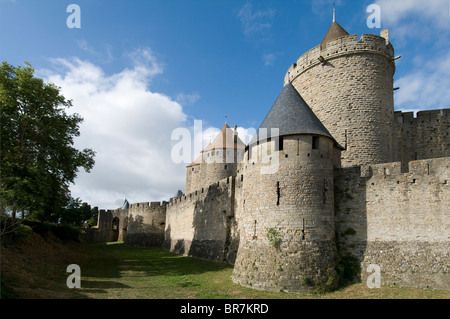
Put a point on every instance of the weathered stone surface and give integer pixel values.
(351, 92)
(399, 220)
(284, 217)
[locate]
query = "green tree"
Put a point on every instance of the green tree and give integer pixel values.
(94, 216)
(38, 160)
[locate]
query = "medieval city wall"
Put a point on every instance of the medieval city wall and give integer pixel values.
(111, 226)
(398, 221)
(425, 136)
(201, 224)
(145, 224)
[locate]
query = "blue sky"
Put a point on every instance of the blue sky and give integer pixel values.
(136, 70)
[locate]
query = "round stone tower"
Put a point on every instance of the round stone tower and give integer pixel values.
(287, 216)
(349, 86)
(217, 161)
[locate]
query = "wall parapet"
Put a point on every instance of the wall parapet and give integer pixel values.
(201, 193)
(437, 168)
(147, 205)
(426, 115)
(344, 45)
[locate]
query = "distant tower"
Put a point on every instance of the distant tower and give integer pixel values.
(216, 161)
(349, 86)
(287, 218)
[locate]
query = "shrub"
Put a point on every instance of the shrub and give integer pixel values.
(62, 231)
(274, 237)
(347, 268)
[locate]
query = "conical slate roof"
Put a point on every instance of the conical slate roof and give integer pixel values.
(125, 204)
(335, 31)
(291, 115)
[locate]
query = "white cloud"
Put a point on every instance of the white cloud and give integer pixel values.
(421, 28)
(425, 88)
(84, 45)
(269, 59)
(394, 13)
(187, 99)
(246, 134)
(130, 129)
(255, 22)
(127, 125)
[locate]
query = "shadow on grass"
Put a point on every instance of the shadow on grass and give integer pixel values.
(112, 260)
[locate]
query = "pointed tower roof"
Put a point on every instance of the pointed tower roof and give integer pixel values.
(125, 204)
(335, 31)
(292, 116)
(225, 139)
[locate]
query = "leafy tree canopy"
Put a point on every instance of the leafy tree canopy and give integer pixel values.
(38, 160)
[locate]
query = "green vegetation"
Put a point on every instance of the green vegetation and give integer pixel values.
(349, 232)
(274, 237)
(37, 159)
(36, 268)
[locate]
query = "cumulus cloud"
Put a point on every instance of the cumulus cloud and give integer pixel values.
(395, 13)
(130, 128)
(127, 125)
(416, 19)
(426, 87)
(427, 24)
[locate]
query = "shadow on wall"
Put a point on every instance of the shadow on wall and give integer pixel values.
(142, 234)
(215, 237)
(350, 221)
(395, 221)
(178, 247)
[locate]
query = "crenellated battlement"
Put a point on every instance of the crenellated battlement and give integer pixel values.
(200, 194)
(147, 205)
(426, 135)
(345, 45)
(434, 170)
(429, 116)
(105, 211)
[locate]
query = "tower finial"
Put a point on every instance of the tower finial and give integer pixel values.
(334, 12)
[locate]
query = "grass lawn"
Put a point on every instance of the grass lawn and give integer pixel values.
(116, 271)
(119, 271)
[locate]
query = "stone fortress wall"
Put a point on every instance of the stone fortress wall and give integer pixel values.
(399, 221)
(383, 200)
(426, 135)
(142, 224)
(146, 223)
(202, 224)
